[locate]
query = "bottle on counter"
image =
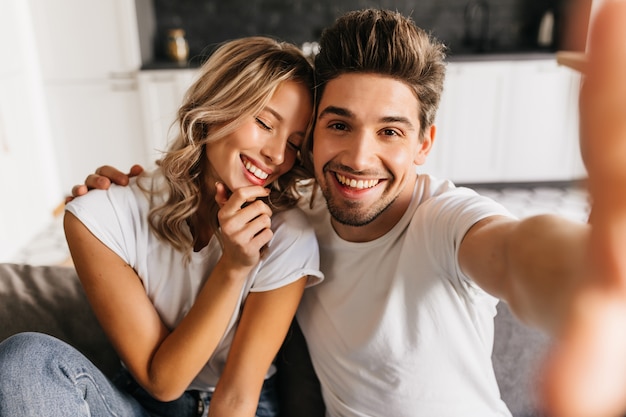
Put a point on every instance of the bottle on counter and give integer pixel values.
(177, 48)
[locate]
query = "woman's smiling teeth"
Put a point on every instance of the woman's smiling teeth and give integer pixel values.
(359, 184)
(256, 171)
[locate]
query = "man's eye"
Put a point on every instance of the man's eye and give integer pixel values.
(338, 126)
(263, 124)
(390, 132)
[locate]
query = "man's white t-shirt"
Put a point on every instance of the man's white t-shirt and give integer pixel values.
(118, 217)
(396, 329)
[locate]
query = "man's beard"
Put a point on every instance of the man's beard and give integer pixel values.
(353, 214)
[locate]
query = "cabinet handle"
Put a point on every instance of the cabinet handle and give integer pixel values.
(162, 78)
(122, 75)
(132, 86)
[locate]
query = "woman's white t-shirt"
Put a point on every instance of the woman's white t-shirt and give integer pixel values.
(118, 217)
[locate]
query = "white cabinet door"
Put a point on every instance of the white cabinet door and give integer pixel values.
(540, 143)
(470, 117)
(162, 93)
(79, 39)
(507, 121)
(95, 123)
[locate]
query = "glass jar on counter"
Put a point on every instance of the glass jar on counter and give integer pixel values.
(177, 48)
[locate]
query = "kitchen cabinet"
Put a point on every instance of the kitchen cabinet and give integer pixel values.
(89, 58)
(507, 121)
(29, 186)
(498, 121)
(95, 123)
(79, 40)
(542, 124)
(162, 93)
(470, 117)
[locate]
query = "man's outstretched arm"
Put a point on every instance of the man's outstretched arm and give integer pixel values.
(586, 371)
(569, 278)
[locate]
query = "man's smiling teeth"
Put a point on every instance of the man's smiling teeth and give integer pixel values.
(360, 184)
(256, 171)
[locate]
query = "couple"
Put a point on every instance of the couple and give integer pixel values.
(402, 323)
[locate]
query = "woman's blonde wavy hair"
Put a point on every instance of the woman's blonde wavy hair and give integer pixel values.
(236, 82)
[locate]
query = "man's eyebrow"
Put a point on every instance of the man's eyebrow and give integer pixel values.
(398, 119)
(342, 111)
(337, 111)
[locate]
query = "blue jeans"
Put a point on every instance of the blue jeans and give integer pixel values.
(43, 376)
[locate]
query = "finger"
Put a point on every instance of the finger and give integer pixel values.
(243, 243)
(135, 170)
(247, 219)
(261, 239)
(221, 194)
(253, 236)
(113, 175)
(244, 196)
(603, 97)
(607, 47)
(239, 217)
(77, 191)
(98, 182)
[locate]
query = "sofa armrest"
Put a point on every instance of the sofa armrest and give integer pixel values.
(50, 299)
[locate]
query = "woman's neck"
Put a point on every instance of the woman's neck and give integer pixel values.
(200, 226)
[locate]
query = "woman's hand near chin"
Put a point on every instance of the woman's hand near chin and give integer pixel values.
(245, 223)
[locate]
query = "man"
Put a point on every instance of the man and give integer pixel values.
(403, 323)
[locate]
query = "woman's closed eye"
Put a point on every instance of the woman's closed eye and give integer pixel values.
(293, 146)
(263, 124)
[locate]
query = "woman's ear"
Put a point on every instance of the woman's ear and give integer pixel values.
(426, 145)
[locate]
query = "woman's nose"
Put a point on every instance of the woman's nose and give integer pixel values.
(274, 150)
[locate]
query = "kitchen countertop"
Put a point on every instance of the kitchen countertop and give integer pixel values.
(196, 62)
(168, 65)
(501, 56)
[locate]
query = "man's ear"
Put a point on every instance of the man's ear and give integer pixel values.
(426, 145)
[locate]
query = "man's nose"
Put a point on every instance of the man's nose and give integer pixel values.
(359, 150)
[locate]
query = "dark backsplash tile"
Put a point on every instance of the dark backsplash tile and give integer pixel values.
(512, 25)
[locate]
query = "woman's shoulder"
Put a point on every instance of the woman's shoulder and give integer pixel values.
(293, 218)
(292, 228)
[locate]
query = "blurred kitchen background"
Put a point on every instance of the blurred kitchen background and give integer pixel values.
(467, 26)
(87, 83)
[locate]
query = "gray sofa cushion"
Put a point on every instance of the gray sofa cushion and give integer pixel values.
(517, 354)
(50, 299)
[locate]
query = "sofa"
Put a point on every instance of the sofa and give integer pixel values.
(50, 299)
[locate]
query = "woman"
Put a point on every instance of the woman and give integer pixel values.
(194, 271)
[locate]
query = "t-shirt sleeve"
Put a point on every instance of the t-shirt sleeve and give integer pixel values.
(292, 253)
(448, 217)
(108, 216)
